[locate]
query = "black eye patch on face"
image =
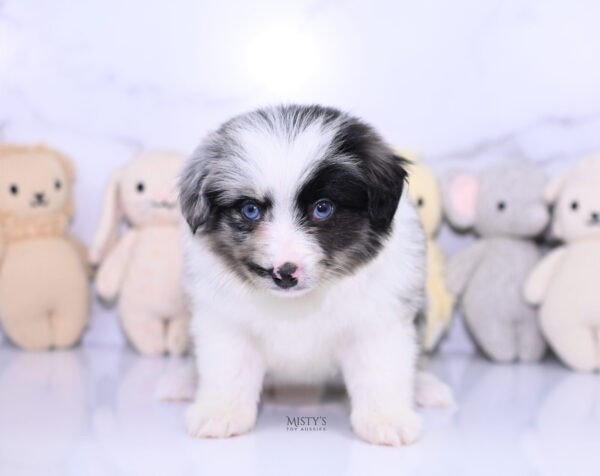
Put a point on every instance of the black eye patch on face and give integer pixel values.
(364, 180)
(346, 237)
(337, 183)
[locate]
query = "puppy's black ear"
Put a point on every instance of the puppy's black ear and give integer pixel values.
(386, 178)
(194, 203)
(383, 172)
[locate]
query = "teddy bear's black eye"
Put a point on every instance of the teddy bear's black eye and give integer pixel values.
(14, 189)
(57, 185)
(420, 202)
(501, 206)
(574, 205)
(140, 187)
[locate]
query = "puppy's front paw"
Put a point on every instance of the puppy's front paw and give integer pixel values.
(393, 429)
(214, 420)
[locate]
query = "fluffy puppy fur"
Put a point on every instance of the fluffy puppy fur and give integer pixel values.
(304, 257)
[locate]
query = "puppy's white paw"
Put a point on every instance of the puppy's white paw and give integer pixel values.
(213, 420)
(431, 392)
(396, 429)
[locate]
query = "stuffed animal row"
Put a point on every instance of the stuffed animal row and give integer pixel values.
(501, 280)
(44, 298)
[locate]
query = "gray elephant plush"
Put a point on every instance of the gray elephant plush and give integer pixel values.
(504, 205)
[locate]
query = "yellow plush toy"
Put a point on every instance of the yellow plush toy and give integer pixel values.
(43, 275)
(424, 191)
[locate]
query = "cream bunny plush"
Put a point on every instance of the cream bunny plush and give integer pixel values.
(43, 273)
(144, 265)
(566, 282)
(424, 191)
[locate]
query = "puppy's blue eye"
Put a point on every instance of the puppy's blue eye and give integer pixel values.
(251, 211)
(323, 209)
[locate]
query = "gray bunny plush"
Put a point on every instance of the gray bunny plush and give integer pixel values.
(504, 205)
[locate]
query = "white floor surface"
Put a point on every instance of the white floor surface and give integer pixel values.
(93, 412)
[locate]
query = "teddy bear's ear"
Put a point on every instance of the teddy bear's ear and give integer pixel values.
(65, 161)
(553, 189)
(460, 189)
(69, 167)
(107, 232)
(67, 164)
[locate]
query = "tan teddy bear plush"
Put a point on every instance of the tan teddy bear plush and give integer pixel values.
(424, 191)
(144, 265)
(43, 276)
(565, 283)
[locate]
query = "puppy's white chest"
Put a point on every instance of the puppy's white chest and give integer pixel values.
(301, 350)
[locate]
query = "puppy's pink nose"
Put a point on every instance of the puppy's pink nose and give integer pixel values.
(287, 275)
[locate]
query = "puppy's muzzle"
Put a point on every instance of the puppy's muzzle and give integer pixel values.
(284, 276)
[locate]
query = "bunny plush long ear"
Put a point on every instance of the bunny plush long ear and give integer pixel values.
(107, 233)
(460, 189)
(65, 161)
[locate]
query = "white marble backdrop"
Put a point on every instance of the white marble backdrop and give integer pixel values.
(464, 82)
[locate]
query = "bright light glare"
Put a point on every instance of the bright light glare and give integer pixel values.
(283, 59)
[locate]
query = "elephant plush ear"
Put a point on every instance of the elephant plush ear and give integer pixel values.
(460, 189)
(553, 189)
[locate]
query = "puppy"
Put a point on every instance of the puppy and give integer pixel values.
(303, 258)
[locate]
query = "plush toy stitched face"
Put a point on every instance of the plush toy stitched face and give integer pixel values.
(148, 189)
(577, 209)
(506, 199)
(511, 201)
(32, 184)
